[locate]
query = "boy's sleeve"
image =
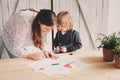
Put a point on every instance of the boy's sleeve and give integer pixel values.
(76, 43)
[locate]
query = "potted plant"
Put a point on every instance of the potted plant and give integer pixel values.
(117, 56)
(108, 44)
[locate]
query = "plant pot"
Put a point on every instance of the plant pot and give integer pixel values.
(117, 61)
(108, 55)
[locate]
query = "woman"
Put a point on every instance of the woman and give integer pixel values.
(25, 34)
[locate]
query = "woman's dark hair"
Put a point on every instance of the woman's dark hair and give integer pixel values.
(46, 17)
(31, 9)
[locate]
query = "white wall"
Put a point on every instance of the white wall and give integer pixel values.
(114, 16)
(90, 16)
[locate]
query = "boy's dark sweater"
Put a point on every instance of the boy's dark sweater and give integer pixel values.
(71, 40)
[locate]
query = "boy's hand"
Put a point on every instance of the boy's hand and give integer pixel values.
(63, 49)
(58, 48)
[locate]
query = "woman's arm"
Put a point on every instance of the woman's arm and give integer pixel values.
(21, 26)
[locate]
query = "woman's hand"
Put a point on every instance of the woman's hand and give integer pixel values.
(36, 56)
(50, 55)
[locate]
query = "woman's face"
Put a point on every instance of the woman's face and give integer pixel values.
(45, 28)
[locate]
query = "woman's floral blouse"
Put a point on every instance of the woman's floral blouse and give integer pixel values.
(17, 34)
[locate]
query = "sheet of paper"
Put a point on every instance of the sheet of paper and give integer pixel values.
(64, 65)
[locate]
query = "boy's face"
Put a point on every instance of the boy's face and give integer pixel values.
(61, 28)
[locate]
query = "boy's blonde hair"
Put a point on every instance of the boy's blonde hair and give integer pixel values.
(64, 18)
